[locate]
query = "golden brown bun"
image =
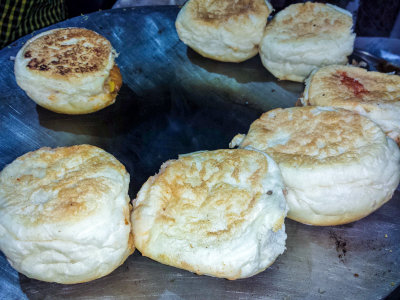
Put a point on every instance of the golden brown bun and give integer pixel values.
(65, 214)
(306, 36)
(69, 70)
(224, 30)
(338, 166)
(219, 213)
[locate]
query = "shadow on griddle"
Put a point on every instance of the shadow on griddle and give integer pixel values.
(248, 71)
(128, 279)
(107, 123)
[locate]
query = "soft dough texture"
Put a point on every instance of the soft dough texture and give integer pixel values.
(69, 70)
(338, 166)
(305, 36)
(65, 214)
(219, 213)
(224, 30)
(372, 94)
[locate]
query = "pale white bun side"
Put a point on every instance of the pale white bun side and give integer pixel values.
(306, 36)
(224, 30)
(337, 165)
(219, 213)
(372, 94)
(65, 214)
(68, 70)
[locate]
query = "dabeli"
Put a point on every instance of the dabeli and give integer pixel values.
(219, 213)
(306, 36)
(64, 214)
(337, 165)
(224, 30)
(69, 70)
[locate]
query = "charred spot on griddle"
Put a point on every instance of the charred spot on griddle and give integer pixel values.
(340, 244)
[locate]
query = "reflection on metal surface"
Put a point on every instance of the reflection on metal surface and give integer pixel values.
(375, 63)
(173, 101)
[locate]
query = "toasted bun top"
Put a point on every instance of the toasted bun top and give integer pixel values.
(67, 54)
(312, 136)
(351, 86)
(218, 212)
(60, 186)
(304, 21)
(207, 197)
(215, 12)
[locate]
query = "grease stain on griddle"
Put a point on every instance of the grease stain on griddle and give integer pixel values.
(340, 244)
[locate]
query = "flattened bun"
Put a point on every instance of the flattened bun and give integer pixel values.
(372, 94)
(69, 70)
(224, 30)
(219, 213)
(305, 36)
(65, 214)
(338, 166)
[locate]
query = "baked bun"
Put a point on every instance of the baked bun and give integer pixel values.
(372, 94)
(64, 214)
(305, 36)
(224, 30)
(338, 166)
(69, 70)
(219, 213)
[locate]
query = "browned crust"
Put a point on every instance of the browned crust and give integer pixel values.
(336, 128)
(68, 52)
(218, 11)
(75, 188)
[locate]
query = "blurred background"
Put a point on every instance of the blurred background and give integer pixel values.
(20, 17)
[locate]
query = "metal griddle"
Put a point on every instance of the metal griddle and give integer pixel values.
(174, 101)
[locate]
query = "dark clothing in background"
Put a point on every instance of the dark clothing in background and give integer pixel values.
(20, 17)
(376, 18)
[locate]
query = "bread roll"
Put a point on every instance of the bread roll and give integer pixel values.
(224, 30)
(372, 94)
(68, 70)
(338, 166)
(219, 213)
(65, 214)
(305, 36)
